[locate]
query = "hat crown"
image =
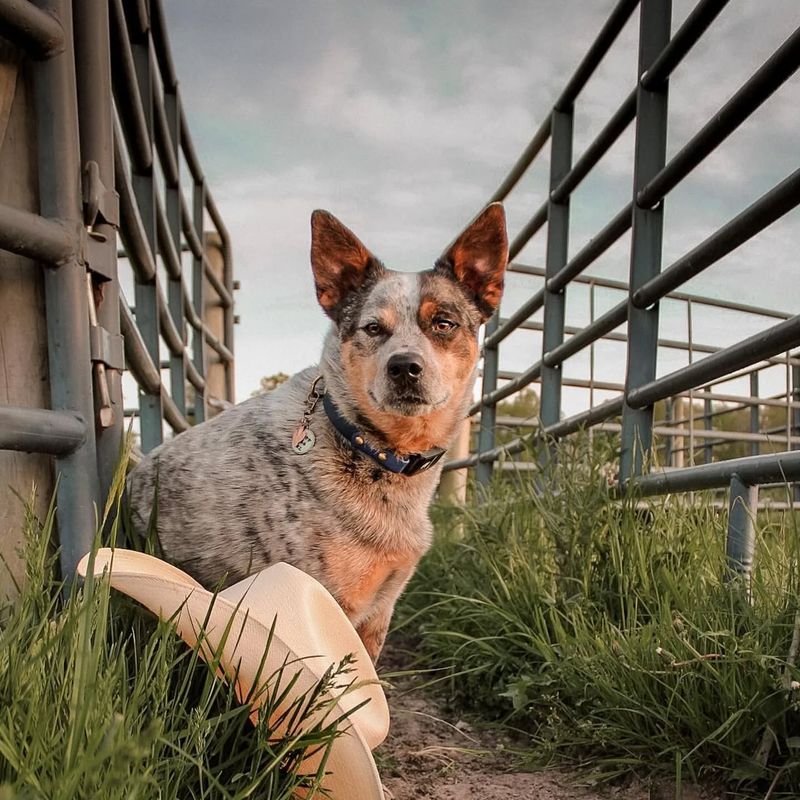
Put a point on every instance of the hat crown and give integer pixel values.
(307, 632)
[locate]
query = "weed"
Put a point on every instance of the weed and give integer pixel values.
(98, 699)
(608, 631)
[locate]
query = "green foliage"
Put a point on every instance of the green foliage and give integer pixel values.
(524, 404)
(98, 699)
(605, 632)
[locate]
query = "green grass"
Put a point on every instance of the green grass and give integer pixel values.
(603, 631)
(98, 699)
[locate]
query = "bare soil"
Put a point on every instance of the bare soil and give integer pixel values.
(432, 755)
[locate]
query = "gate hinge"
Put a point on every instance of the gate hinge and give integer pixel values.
(107, 348)
(99, 203)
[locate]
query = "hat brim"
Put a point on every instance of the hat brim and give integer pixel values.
(235, 627)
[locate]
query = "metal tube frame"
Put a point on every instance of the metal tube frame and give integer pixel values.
(647, 229)
(556, 258)
(66, 301)
(148, 302)
(96, 181)
(96, 114)
(654, 177)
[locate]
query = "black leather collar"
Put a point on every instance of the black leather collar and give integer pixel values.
(408, 465)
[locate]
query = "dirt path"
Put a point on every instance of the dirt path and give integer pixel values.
(428, 755)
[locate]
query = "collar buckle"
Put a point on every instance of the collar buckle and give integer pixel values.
(419, 462)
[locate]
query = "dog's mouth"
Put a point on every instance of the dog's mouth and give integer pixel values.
(408, 404)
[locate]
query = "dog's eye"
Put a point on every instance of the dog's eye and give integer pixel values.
(443, 325)
(373, 329)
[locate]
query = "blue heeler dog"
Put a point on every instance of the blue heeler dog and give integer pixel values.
(334, 470)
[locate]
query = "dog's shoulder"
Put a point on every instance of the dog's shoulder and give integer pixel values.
(262, 424)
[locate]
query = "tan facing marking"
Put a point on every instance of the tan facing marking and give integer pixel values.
(413, 434)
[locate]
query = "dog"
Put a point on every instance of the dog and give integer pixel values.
(334, 470)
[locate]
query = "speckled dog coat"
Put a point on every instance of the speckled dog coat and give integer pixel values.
(399, 363)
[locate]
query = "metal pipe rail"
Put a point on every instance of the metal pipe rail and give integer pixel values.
(601, 328)
(610, 283)
(36, 237)
(108, 109)
(768, 208)
(40, 34)
(648, 284)
(749, 351)
(777, 468)
(37, 430)
(773, 73)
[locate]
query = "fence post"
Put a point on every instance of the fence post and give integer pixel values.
(740, 545)
(708, 424)
(453, 484)
(93, 67)
(147, 301)
(755, 414)
(198, 299)
(177, 362)
(556, 258)
(669, 404)
(796, 418)
(646, 234)
(486, 433)
(65, 292)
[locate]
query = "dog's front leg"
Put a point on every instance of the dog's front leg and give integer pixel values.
(372, 630)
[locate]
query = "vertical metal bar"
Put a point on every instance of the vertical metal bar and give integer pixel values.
(95, 108)
(755, 415)
(647, 227)
(65, 291)
(741, 542)
(177, 362)
(789, 431)
(556, 258)
(796, 419)
(228, 315)
(592, 315)
(486, 433)
(708, 424)
(668, 417)
(690, 340)
(198, 298)
(146, 296)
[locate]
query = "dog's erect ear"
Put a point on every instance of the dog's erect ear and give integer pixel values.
(341, 264)
(478, 258)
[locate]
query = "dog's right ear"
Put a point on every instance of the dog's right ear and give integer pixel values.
(340, 262)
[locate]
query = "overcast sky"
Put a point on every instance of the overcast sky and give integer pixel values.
(402, 118)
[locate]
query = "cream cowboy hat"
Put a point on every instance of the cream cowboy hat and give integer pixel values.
(311, 632)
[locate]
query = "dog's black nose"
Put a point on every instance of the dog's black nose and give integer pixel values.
(404, 367)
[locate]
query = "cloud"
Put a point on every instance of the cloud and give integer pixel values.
(402, 118)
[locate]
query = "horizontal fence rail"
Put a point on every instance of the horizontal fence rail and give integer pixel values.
(692, 400)
(108, 109)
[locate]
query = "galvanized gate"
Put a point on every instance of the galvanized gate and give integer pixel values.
(653, 178)
(115, 162)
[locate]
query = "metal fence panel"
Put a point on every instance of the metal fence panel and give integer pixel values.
(98, 182)
(649, 286)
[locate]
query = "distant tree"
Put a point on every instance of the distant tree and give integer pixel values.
(525, 405)
(270, 382)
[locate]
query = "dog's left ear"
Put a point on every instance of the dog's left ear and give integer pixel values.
(478, 258)
(340, 262)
